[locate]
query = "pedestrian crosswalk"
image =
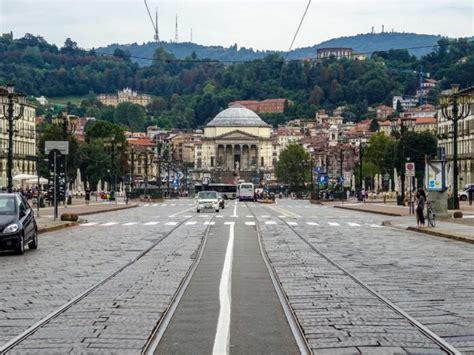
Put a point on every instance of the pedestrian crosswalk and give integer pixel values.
(263, 220)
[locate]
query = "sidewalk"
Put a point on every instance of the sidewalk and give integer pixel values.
(46, 222)
(452, 230)
(387, 209)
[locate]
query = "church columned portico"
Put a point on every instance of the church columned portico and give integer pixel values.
(236, 143)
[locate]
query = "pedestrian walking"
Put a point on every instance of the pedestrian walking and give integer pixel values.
(415, 206)
(420, 207)
(88, 196)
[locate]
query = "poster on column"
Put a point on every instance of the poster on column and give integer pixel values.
(436, 177)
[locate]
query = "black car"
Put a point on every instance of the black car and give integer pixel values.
(17, 224)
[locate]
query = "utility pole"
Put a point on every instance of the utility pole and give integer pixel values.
(360, 165)
(8, 99)
(132, 167)
(145, 179)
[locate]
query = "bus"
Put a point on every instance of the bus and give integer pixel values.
(246, 191)
(229, 191)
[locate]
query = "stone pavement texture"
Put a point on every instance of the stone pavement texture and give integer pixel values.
(67, 263)
(430, 278)
(337, 314)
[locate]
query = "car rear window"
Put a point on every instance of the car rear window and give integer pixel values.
(207, 195)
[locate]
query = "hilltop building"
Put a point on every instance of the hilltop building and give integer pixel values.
(337, 52)
(126, 95)
(264, 106)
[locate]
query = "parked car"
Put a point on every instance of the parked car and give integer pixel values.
(464, 195)
(17, 224)
(207, 200)
(221, 200)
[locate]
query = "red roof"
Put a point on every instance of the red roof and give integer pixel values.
(142, 142)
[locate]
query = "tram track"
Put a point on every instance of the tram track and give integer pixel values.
(448, 348)
(291, 317)
(17, 340)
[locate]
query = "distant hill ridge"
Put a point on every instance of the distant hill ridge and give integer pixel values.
(361, 43)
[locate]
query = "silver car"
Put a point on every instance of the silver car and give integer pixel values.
(207, 200)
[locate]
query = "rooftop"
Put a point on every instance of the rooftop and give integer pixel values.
(237, 116)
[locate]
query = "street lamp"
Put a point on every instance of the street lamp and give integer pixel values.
(113, 144)
(455, 107)
(8, 99)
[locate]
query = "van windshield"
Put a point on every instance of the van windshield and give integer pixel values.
(207, 195)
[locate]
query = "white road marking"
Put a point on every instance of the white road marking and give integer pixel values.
(151, 223)
(353, 224)
(312, 224)
(173, 204)
(249, 216)
(109, 224)
(292, 223)
(270, 222)
(190, 223)
(219, 216)
(89, 224)
(171, 223)
(164, 205)
(235, 210)
(146, 205)
(209, 223)
(221, 340)
(251, 223)
(265, 216)
(155, 204)
(187, 209)
(375, 225)
(129, 224)
(282, 216)
(204, 216)
(333, 224)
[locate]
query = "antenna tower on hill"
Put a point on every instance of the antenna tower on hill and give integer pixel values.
(153, 23)
(176, 38)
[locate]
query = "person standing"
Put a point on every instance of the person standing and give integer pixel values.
(420, 207)
(88, 196)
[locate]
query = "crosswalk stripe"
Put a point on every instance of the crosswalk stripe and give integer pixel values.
(129, 223)
(191, 223)
(312, 224)
(151, 223)
(249, 223)
(155, 204)
(249, 216)
(146, 205)
(292, 223)
(89, 224)
(353, 224)
(187, 216)
(164, 205)
(209, 223)
(109, 224)
(282, 216)
(219, 216)
(265, 216)
(333, 224)
(172, 223)
(270, 222)
(375, 225)
(173, 204)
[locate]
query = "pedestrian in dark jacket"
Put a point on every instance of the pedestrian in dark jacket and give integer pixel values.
(420, 207)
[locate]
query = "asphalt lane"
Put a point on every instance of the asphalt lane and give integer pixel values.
(257, 323)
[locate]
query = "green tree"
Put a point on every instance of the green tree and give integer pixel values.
(100, 129)
(293, 166)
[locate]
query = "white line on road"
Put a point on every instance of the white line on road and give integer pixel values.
(375, 225)
(187, 209)
(155, 204)
(171, 223)
(221, 341)
(146, 205)
(109, 224)
(353, 224)
(129, 223)
(265, 216)
(190, 223)
(209, 223)
(249, 216)
(89, 224)
(235, 210)
(164, 205)
(251, 223)
(312, 224)
(270, 222)
(151, 223)
(292, 223)
(219, 216)
(333, 224)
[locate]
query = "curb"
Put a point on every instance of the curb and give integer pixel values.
(111, 210)
(366, 211)
(440, 233)
(56, 228)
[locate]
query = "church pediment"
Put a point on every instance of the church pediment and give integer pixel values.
(236, 135)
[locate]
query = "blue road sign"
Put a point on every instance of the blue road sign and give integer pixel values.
(323, 179)
(317, 169)
(341, 179)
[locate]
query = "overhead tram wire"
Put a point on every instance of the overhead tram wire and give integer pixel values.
(216, 61)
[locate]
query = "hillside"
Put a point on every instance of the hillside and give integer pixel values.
(362, 43)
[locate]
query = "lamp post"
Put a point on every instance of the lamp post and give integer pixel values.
(8, 99)
(455, 107)
(113, 144)
(406, 124)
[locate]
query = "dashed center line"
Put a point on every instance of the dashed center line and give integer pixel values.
(249, 223)
(333, 224)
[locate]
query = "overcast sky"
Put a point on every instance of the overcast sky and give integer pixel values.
(260, 24)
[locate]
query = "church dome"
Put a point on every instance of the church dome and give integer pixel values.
(237, 116)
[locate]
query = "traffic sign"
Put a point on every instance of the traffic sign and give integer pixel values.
(410, 169)
(317, 169)
(341, 179)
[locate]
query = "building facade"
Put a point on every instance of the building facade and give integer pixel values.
(465, 143)
(126, 95)
(236, 145)
(264, 106)
(338, 53)
(24, 143)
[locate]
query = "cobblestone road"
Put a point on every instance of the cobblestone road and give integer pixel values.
(430, 278)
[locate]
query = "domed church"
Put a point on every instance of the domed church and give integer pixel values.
(236, 143)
